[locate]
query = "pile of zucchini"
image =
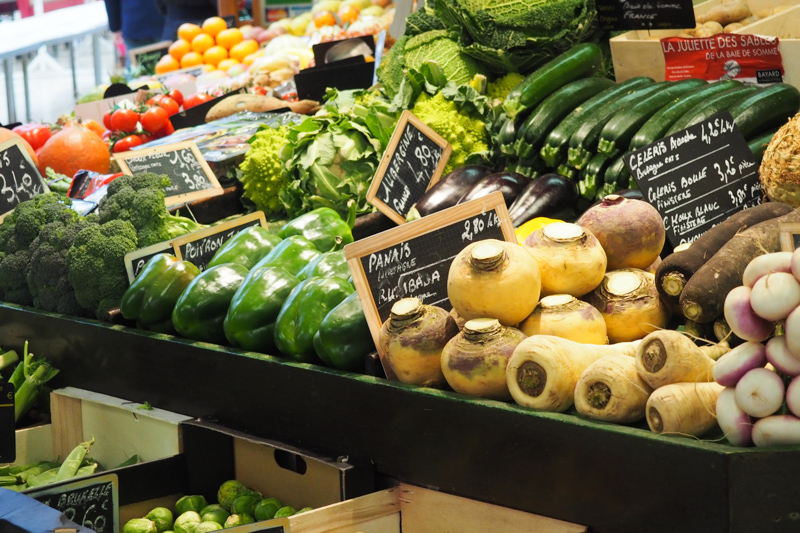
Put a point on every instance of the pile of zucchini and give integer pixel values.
(562, 119)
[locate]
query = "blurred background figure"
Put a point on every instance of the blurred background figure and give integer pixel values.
(179, 11)
(136, 22)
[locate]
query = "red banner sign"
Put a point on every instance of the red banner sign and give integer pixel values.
(745, 58)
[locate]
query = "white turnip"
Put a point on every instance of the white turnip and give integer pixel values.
(544, 370)
(760, 392)
(570, 258)
(793, 396)
(781, 358)
(667, 356)
(778, 430)
(733, 365)
(735, 423)
(742, 320)
(611, 390)
(795, 263)
(775, 295)
(792, 330)
(683, 408)
(766, 264)
(565, 316)
(494, 279)
(630, 305)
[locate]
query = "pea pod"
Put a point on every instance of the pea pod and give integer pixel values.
(73, 461)
(45, 478)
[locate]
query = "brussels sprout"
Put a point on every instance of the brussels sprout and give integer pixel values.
(214, 513)
(162, 517)
(229, 491)
(304, 510)
(238, 520)
(245, 504)
(139, 525)
(187, 522)
(266, 509)
(285, 511)
(190, 503)
(206, 527)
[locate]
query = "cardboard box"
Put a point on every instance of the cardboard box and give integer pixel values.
(638, 53)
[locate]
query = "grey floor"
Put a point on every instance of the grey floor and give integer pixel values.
(51, 89)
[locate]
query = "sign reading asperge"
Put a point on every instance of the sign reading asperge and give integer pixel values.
(727, 56)
(90, 502)
(200, 246)
(698, 177)
(413, 161)
(624, 15)
(19, 178)
(190, 176)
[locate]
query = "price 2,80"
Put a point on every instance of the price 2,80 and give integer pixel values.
(478, 224)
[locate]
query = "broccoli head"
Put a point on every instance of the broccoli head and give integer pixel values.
(29, 217)
(48, 277)
(96, 266)
(13, 277)
(140, 200)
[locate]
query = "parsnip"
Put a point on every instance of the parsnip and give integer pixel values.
(668, 356)
(683, 408)
(543, 370)
(611, 390)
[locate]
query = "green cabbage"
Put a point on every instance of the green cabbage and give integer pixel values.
(438, 46)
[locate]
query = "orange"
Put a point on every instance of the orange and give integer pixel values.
(189, 31)
(191, 59)
(202, 42)
(213, 25)
(208, 68)
(225, 64)
(167, 64)
(324, 18)
(229, 38)
(240, 51)
(180, 48)
(214, 55)
(348, 13)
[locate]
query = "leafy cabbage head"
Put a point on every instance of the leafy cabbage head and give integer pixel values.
(439, 46)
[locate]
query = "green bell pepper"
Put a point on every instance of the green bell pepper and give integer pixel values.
(162, 295)
(250, 323)
(201, 309)
(344, 340)
(247, 247)
(327, 265)
(303, 312)
(293, 254)
(131, 304)
(323, 227)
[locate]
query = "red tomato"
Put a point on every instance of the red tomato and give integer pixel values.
(170, 105)
(196, 99)
(123, 145)
(176, 95)
(167, 130)
(35, 134)
(145, 138)
(124, 120)
(154, 100)
(154, 119)
(107, 120)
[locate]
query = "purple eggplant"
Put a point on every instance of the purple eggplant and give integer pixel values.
(510, 184)
(550, 195)
(448, 191)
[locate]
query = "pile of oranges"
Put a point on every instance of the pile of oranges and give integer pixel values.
(213, 44)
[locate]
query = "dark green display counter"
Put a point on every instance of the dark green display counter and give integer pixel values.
(613, 478)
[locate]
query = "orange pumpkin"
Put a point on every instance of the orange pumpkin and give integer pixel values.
(72, 149)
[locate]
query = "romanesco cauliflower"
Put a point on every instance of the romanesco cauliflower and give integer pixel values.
(464, 132)
(499, 88)
(262, 172)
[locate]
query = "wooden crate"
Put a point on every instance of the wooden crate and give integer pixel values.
(638, 53)
(34, 443)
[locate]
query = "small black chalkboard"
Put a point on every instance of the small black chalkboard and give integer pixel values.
(621, 15)
(190, 176)
(698, 177)
(200, 246)
(19, 178)
(92, 502)
(135, 261)
(413, 260)
(8, 439)
(413, 161)
(146, 57)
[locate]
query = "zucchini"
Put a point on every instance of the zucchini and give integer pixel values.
(506, 137)
(580, 61)
(596, 168)
(553, 109)
(566, 171)
(617, 174)
(766, 109)
(583, 142)
(555, 146)
(759, 144)
(716, 104)
(620, 129)
(658, 125)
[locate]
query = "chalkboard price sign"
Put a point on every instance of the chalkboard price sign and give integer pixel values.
(414, 259)
(8, 438)
(189, 174)
(200, 246)
(698, 177)
(645, 14)
(92, 502)
(135, 261)
(146, 57)
(413, 161)
(19, 178)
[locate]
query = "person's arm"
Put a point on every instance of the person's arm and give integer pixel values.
(114, 12)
